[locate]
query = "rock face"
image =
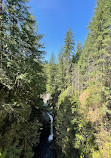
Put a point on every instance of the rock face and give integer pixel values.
(46, 98)
(45, 117)
(46, 126)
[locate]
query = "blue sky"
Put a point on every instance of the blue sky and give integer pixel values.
(54, 17)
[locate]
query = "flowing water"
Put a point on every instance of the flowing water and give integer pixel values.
(44, 149)
(51, 128)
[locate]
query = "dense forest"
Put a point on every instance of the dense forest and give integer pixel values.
(79, 83)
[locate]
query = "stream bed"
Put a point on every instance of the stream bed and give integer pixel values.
(45, 149)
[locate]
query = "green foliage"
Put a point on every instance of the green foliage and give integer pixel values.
(68, 57)
(51, 75)
(63, 127)
(83, 80)
(83, 121)
(60, 70)
(21, 80)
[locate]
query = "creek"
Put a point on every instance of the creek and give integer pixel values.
(51, 128)
(45, 149)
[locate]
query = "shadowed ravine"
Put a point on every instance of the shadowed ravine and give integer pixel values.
(45, 150)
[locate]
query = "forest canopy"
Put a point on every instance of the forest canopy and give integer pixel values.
(79, 83)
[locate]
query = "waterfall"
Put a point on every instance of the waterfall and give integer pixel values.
(51, 129)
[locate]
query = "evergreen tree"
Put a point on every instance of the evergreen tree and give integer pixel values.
(76, 68)
(51, 75)
(89, 94)
(60, 72)
(68, 53)
(21, 80)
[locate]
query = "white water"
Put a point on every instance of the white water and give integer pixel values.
(51, 129)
